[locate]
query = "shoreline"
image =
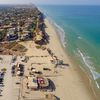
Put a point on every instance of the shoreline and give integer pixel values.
(41, 66)
(90, 83)
(79, 70)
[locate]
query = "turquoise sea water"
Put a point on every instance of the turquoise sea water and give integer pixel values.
(80, 27)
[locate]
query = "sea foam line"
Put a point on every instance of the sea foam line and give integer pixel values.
(57, 28)
(89, 64)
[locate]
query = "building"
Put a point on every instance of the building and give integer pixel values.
(32, 83)
(12, 35)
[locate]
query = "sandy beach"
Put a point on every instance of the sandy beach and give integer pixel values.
(70, 85)
(44, 71)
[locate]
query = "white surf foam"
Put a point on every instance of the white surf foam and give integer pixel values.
(79, 37)
(90, 65)
(58, 28)
(97, 84)
(85, 58)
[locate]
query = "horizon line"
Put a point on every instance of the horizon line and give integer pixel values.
(52, 4)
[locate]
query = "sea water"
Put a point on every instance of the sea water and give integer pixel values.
(79, 28)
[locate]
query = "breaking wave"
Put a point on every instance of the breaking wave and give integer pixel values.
(89, 64)
(57, 28)
(85, 58)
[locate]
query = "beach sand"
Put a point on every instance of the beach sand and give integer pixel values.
(70, 85)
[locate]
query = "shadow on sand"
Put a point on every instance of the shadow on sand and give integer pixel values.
(52, 86)
(57, 98)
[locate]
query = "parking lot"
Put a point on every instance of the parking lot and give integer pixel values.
(8, 90)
